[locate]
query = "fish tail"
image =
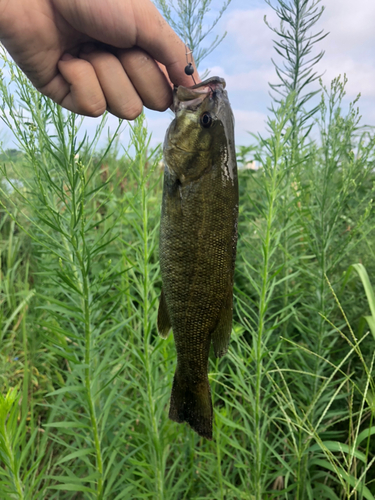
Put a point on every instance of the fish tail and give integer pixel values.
(192, 404)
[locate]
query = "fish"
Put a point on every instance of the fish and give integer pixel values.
(198, 239)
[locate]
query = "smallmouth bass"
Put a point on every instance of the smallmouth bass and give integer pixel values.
(198, 239)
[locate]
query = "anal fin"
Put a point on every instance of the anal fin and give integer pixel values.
(164, 322)
(221, 334)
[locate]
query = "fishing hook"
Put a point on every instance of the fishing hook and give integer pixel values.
(189, 69)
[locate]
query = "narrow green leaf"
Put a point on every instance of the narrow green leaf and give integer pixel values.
(365, 435)
(72, 487)
(68, 425)
(348, 478)
(70, 389)
(336, 446)
(76, 454)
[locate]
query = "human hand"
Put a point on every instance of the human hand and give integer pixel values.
(93, 55)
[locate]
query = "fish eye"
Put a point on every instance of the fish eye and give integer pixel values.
(206, 120)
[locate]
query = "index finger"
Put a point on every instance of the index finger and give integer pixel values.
(165, 46)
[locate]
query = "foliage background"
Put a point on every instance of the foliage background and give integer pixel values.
(85, 379)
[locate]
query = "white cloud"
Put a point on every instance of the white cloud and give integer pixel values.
(248, 121)
(350, 45)
(351, 25)
(250, 33)
(252, 80)
(361, 75)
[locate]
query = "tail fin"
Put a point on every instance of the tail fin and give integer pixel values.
(192, 404)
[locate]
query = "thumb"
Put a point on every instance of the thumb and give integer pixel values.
(129, 23)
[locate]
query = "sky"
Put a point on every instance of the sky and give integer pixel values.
(244, 60)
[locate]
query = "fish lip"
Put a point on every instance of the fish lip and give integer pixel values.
(209, 85)
(186, 94)
(213, 82)
(193, 96)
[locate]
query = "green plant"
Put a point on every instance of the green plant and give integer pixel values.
(362, 273)
(188, 18)
(294, 44)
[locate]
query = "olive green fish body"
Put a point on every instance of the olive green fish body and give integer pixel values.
(198, 244)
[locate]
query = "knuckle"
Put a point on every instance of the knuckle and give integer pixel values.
(135, 59)
(162, 103)
(131, 112)
(98, 111)
(93, 108)
(126, 109)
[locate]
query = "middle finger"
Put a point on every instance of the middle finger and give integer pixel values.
(122, 98)
(150, 82)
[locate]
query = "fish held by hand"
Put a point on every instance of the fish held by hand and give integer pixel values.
(198, 238)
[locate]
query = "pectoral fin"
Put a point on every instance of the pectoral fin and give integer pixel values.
(164, 323)
(221, 334)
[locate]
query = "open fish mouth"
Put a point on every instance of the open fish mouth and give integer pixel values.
(212, 82)
(192, 97)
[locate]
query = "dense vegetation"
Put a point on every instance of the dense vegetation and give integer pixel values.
(85, 379)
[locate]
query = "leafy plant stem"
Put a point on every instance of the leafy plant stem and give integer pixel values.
(11, 459)
(273, 174)
(142, 164)
(25, 384)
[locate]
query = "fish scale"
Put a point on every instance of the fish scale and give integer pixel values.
(198, 237)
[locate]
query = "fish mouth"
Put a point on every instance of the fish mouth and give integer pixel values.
(192, 97)
(213, 83)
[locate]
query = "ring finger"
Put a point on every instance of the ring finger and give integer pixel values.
(121, 97)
